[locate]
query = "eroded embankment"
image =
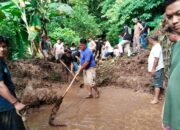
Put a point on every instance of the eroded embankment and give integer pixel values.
(126, 73)
(37, 81)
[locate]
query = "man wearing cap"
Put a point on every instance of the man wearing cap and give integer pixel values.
(171, 114)
(156, 67)
(88, 67)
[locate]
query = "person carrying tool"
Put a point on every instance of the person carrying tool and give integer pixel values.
(88, 68)
(9, 104)
(67, 61)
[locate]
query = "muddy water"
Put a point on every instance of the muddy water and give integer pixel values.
(116, 109)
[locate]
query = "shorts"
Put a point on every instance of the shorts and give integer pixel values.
(159, 78)
(109, 54)
(45, 53)
(10, 120)
(68, 69)
(89, 76)
(75, 66)
(58, 56)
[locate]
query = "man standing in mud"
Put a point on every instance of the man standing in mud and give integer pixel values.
(44, 46)
(156, 67)
(9, 104)
(88, 67)
(171, 113)
(137, 36)
(58, 49)
(67, 61)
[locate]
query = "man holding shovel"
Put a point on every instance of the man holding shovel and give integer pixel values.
(88, 68)
(89, 73)
(67, 61)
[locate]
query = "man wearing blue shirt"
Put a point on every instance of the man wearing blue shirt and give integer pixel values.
(88, 67)
(9, 119)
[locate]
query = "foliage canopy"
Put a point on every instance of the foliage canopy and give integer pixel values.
(25, 20)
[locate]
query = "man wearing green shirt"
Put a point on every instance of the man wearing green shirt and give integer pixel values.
(171, 113)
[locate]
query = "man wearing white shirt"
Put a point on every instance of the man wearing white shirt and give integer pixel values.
(156, 67)
(109, 49)
(58, 49)
(92, 45)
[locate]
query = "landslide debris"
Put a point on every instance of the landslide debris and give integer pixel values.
(126, 72)
(37, 81)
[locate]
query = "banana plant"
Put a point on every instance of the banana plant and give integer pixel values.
(34, 14)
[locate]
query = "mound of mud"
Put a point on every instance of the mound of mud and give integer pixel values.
(37, 81)
(126, 73)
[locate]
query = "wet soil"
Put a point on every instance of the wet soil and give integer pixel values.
(123, 107)
(116, 109)
(38, 81)
(125, 72)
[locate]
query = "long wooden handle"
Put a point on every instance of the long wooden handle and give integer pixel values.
(67, 68)
(70, 84)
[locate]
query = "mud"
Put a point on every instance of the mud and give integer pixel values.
(37, 82)
(41, 83)
(126, 73)
(116, 109)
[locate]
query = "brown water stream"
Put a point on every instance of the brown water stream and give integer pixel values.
(116, 109)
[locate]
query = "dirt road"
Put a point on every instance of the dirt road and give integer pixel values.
(116, 109)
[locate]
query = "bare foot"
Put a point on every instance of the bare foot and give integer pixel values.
(97, 94)
(89, 96)
(155, 101)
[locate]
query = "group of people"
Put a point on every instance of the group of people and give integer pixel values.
(10, 105)
(139, 38)
(79, 59)
(101, 48)
(10, 119)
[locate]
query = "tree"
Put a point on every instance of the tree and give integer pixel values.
(119, 12)
(31, 16)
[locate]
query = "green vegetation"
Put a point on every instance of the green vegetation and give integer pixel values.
(23, 21)
(119, 13)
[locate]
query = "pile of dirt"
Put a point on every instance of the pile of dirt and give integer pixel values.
(37, 81)
(126, 72)
(37, 69)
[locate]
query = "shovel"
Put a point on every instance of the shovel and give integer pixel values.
(81, 85)
(58, 103)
